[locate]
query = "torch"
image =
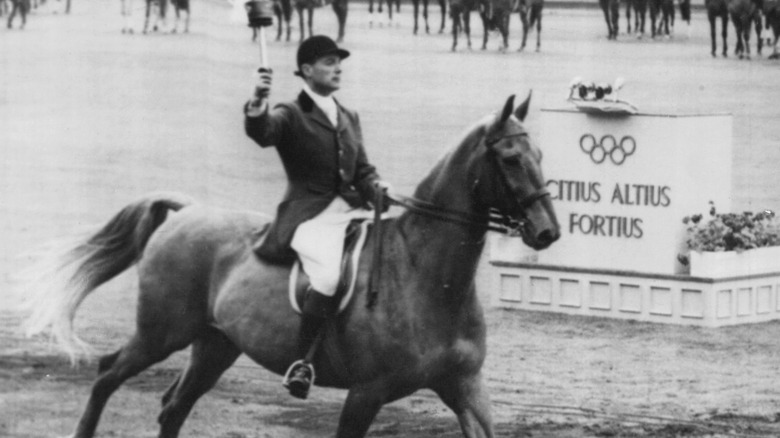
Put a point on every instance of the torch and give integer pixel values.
(260, 15)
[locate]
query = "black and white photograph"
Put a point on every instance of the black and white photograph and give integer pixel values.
(402, 218)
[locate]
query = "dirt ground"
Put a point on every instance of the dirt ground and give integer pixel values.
(90, 119)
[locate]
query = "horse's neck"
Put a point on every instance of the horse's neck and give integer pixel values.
(449, 252)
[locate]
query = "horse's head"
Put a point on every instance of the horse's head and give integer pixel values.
(511, 180)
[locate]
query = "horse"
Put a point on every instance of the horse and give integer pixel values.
(610, 9)
(496, 17)
(743, 14)
(23, 7)
(460, 12)
(283, 12)
(629, 6)
(161, 7)
(640, 16)
(772, 16)
(718, 9)
(531, 14)
(178, 7)
(666, 23)
(200, 284)
(416, 5)
(390, 4)
(339, 7)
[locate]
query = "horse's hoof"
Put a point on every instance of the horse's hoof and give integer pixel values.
(538, 49)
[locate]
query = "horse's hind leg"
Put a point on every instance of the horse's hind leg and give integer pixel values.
(212, 354)
(468, 398)
(114, 369)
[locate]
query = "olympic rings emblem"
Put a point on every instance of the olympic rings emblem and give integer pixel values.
(608, 146)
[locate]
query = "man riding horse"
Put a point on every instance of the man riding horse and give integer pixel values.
(330, 182)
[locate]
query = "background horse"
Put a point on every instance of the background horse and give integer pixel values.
(629, 6)
(640, 15)
(443, 8)
(531, 13)
(460, 11)
(772, 16)
(718, 9)
(666, 11)
(611, 13)
(339, 7)
(390, 4)
(200, 284)
(283, 12)
(21, 6)
(159, 8)
(496, 17)
(745, 13)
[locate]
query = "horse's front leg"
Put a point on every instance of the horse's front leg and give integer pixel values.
(467, 396)
(443, 7)
(524, 23)
(362, 405)
(146, 19)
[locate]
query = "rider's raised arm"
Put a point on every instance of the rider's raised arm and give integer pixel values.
(262, 124)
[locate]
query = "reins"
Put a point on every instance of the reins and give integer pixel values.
(493, 221)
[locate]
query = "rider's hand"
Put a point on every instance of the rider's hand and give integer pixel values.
(259, 102)
(384, 186)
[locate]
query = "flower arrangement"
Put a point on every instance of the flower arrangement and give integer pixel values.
(730, 231)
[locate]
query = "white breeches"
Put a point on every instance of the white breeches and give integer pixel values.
(319, 243)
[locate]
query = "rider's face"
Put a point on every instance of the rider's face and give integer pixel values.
(324, 76)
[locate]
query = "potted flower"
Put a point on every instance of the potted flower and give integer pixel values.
(732, 244)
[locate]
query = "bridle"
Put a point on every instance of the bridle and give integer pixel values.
(495, 220)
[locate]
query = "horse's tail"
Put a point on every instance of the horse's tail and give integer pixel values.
(68, 271)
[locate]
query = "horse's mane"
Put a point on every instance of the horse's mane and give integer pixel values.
(469, 141)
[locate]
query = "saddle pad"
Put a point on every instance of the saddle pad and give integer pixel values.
(350, 265)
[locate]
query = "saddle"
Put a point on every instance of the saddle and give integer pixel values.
(354, 241)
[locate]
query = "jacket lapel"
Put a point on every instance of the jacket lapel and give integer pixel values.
(313, 112)
(342, 117)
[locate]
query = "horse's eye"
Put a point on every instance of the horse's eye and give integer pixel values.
(511, 161)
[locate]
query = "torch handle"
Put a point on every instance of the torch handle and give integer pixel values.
(263, 48)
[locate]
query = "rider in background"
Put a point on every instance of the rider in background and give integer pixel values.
(330, 182)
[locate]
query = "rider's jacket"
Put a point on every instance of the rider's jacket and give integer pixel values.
(321, 162)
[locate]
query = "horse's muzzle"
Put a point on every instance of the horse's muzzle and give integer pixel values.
(546, 238)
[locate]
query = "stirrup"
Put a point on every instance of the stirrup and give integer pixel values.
(298, 390)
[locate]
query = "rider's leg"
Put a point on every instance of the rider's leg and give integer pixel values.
(319, 244)
(317, 308)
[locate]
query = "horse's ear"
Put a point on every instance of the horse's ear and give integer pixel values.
(508, 106)
(522, 110)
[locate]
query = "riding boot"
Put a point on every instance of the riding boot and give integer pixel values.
(317, 308)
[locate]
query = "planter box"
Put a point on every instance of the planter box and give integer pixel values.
(724, 264)
(661, 298)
